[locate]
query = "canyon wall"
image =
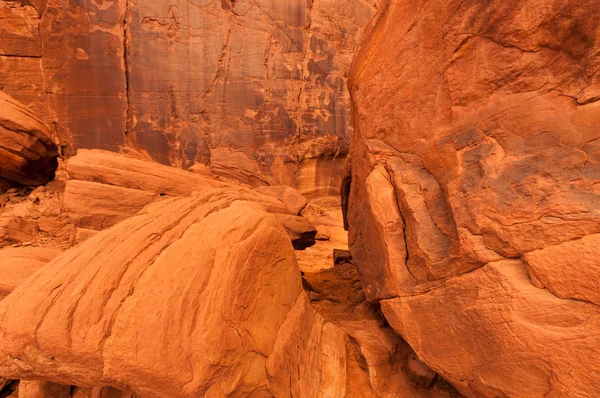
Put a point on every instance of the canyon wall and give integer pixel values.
(474, 203)
(257, 85)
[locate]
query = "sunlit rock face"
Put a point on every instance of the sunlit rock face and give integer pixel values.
(185, 80)
(474, 201)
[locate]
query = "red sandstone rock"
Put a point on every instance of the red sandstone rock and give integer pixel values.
(105, 188)
(41, 389)
(18, 264)
(265, 80)
(288, 195)
(477, 146)
(28, 154)
(17, 229)
(301, 231)
(204, 297)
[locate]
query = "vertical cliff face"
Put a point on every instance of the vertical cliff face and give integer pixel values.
(185, 80)
(474, 199)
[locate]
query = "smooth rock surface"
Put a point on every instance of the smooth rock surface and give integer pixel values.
(476, 145)
(105, 188)
(288, 195)
(203, 299)
(207, 245)
(19, 263)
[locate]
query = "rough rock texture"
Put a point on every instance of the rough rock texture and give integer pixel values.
(187, 81)
(35, 217)
(203, 299)
(29, 156)
(37, 389)
(474, 201)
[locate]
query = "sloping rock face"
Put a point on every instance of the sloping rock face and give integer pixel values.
(29, 156)
(186, 80)
(210, 246)
(19, 263)
(194, 296)
(474, 202)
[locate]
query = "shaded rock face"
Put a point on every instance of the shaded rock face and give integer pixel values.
(29, 155)
(184, 80)
(474, 202)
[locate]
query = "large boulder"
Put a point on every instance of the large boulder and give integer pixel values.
(474, 205)
(194, 296)
(28, 156)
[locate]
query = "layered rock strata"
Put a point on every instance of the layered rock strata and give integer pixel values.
(29, 155)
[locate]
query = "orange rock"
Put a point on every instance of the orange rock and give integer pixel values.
(477, 144)
(266, 81)
(101, 328)
(288, 195)
(28, 154)
(42, 389)
(301, 231)
(105, 188)
(19, 263)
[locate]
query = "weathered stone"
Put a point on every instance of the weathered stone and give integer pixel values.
(419, 372)
(42, 389)
(291, 197)
(262, 82)
(27, 153)
(17, 230)
(105, 188)
(341, 256)
(476, 147)
(204, 288)
(301, 231)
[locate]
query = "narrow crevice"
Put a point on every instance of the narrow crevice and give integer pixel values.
(404, 225)
(21, 56)
(126, 71)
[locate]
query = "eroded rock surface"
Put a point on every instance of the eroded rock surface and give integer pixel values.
(254, 83)
(474, 202)
(29, 155)
(203, 299)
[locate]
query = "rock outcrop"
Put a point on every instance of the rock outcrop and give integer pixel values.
(253, 83)
(104, 188)
(474, 201)
(194, 296)
(29, 156)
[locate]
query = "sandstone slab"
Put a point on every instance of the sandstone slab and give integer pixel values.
(288, 195)
(105, 188)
